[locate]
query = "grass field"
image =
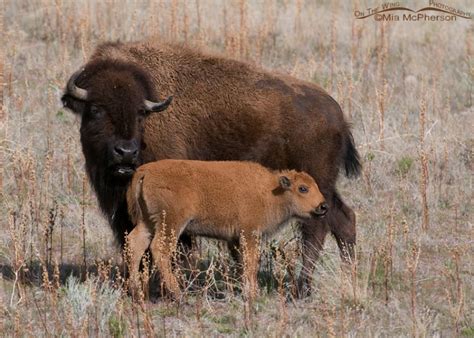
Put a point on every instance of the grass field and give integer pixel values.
(407, 88)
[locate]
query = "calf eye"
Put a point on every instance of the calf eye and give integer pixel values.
(303, 189)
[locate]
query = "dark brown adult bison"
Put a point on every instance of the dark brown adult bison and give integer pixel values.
(222, 110)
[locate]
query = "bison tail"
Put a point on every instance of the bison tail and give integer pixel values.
(133, 197)
(351, 158)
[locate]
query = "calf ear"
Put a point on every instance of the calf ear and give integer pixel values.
(285, 182)
(74, 105)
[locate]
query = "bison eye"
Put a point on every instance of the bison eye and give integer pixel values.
(303, 189)
(95, 111)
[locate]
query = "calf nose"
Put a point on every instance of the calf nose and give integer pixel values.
(125, 151)
(322, 209)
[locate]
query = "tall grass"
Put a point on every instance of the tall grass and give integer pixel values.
(410, 119)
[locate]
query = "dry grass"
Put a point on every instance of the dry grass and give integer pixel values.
(407, 87)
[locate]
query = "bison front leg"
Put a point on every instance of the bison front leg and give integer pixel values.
(138, 241)
(163, 247)
(314, 233)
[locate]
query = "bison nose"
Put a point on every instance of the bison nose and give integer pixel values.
(321, 210)
(125, 151)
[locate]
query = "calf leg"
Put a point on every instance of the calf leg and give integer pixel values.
(251, 255)
(342, 222)
(314, 233)
(138, 240)
(162, 247)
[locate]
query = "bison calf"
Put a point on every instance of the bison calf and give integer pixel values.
(232, 201)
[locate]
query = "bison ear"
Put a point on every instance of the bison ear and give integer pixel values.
(285, 182)
(73, 104)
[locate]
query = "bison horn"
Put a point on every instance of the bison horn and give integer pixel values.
(74, 90)
(151, 106)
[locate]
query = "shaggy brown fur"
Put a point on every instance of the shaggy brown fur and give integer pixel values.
(222, 110)
(233, 201)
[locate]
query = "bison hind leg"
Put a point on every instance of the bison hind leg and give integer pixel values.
(342, 222)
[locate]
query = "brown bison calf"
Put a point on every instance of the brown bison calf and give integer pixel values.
(232, 201)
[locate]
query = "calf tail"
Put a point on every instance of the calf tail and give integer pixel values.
(134, 194)
(351, 157)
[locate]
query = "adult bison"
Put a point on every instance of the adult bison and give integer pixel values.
(222, 110)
